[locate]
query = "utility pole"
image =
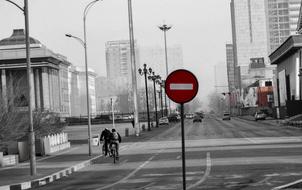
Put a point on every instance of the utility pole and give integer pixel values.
(133, 69)
(33, 169)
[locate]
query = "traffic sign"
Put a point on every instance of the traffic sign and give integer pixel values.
(181, 86)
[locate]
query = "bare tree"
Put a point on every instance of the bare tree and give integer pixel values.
(14, 113)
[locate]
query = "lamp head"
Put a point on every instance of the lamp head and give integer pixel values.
(140, 71)
(68, 35)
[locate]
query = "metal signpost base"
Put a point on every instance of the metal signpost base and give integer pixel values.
(183, 147)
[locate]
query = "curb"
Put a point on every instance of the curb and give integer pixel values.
(291, 185)
(50, 178)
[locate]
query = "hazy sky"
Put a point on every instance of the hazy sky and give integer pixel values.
(202, 27)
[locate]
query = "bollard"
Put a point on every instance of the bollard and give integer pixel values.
(1, 159)
(126, 132)
(143, 127)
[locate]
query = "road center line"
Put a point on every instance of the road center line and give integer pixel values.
(129, 175)
(206, 174)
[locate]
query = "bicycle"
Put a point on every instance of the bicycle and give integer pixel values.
(114, 152)
(103, 149)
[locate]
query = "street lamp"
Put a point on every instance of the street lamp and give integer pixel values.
(160, 82)
(165, 28)
(154, 77)
(133, 69)
(84, 43)
(32, 153)
(146, 72)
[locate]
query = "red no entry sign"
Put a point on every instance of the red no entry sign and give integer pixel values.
(181, 86)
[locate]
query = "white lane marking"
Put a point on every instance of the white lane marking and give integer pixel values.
(178, 157)
(181, 86)
(148, 185)
(129, 175)
(287, 185)
(206, 174)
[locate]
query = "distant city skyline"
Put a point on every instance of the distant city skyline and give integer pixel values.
(200, 35)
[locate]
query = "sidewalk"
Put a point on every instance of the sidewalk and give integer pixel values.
(268, 120)
(61, 164)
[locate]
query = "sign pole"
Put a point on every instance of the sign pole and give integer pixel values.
(181, 86)
(183, 146)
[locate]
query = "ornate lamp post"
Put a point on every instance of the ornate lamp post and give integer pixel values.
(31, 133)
(160, 82)
(146, 72)
(84, 43)
(154, 77)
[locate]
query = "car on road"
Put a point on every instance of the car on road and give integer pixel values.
(174, 117)
(226, 116)
(163, 121)
(260, 116)
(197, 118)
(189, 116)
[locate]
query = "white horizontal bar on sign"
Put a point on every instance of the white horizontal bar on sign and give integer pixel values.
(181, 86)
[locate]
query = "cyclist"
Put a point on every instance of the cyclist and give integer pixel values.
(106, 137)
(115, 138)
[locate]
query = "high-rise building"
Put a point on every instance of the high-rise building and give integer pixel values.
(282, 17)
(77, 87)
(221, 78)
(118, 63)
(154, 57)
(249, 31)
(230, 66)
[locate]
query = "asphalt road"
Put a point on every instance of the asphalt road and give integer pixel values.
(234, 154)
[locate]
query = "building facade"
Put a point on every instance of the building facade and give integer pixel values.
(287, 57)
(77, 91)
(230, 67)
(282, 18)
(118, 63)
(249, 31)
(154, 57)
(49, 76)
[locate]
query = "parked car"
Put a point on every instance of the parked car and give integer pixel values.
(197, 118)
(260, 116)
(163, 121)
(174, 117)
(189, 116)
(226, 116)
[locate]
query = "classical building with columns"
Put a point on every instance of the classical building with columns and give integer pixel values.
(49, 76)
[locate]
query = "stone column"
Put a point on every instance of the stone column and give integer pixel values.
(45, 89)
(4, 88)
(50, 83)
(10, 89)
(33, 89)
(37, 88)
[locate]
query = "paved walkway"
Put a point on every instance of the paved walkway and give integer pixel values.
(61, 164)
(268, 120)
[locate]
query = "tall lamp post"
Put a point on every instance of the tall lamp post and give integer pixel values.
(165, 28)
(84, 43)
(133, 69)
(146, 72)
(154, 77)
(31, 133)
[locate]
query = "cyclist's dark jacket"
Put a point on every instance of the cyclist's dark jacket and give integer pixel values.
(105, 135)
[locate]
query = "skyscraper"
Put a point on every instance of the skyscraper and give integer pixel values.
(249, 31)
(154, 57)
(282, 17)
(230, 66)
(118, 62)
